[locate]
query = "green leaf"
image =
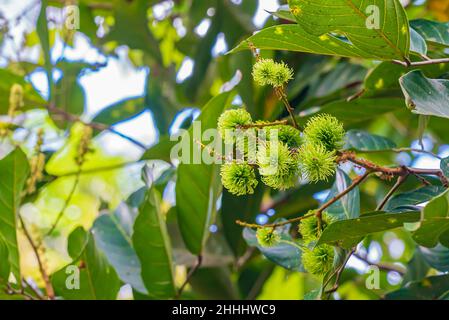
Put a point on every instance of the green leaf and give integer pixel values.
(347, 207)
(390, 39)
(120, 111)
(244, 208)
(360, 140)
(4, 266)
(294, 38)
(152, 245)
(430, 288)
(214, 284)
(437, 257)
(198, 185)
(69, 95)
(433, 32)
(360, 109)
(444, 165)
(434, 226)
(129, 17)
(412, 198)
(44, 37)
(349, 233)
(286, 254)
(31, 98)
(112, 233)
(417, 43)
(97, 279)
(161, 150)
(14, 170)
(426, 96)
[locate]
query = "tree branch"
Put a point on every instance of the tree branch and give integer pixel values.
(396, 186)
(408, 64)
(48, 286)
(190, 275)
(94, 125)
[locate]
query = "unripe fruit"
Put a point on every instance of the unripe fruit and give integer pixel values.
(308, 228)
(233, 120)
(319, 260)
(317, 163)
(278, 165)
(267, 237)
(239, 178)
(268, 72)
(326, 130)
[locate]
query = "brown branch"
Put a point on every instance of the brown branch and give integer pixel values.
(9, 290)
(274, 225)
(354, 184)
(390, 171)
(280, 92)
(339, 272)
(48, 286)
(94, 125)
(190, 275)
(382, 266)
(408, 64)
(397, 185)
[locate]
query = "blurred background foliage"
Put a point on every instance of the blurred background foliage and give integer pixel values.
(144, 69)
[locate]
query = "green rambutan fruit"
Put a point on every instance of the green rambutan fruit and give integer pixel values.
(326, 130)
(238, 178)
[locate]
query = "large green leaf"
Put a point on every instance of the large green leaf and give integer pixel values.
(294, 38)
(244, 208)
(97, 279)
(198, 185)
(412, 198)
(426, 96)
(363, 141)
(120, 111)
(68, 94)
(360, 109)
(430, 288)
(44, 37)
(112, 233)
(348, 233)
(152, 245)
(348, 207)
(433, 32)
(389, 38)
(4, 265)
(286, 253)
(14, 170)
(437, 257)
(129, 17)
(434, 226)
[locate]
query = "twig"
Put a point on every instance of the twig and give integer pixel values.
(382, 266)
(48, 286)
(408, 64)
(354, 184)
(66, 204)
(190, 275)
(9, 290)
(339, 272)
(400, 150)
(94, 125)
(397, 185)
(274, 225)
(283, 97)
